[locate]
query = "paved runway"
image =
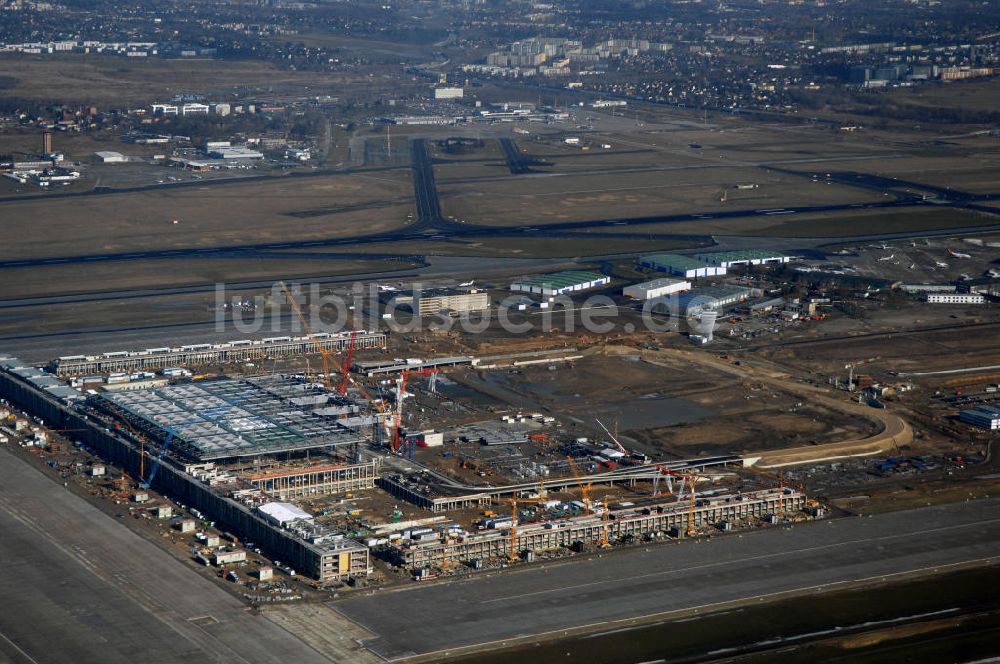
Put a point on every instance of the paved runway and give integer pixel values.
(537, 600)
(79, 587)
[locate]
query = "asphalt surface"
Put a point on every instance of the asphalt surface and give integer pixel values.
(517, 162)
(623, 586)
(424, 187)
(79, 587)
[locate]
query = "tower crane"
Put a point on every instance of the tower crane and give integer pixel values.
(512, 546)
(342, 390)
(514, 501)
(605, 523)
(780, 483)
(584, 488)
(690, 525)
(690, 479)
(400, 397)
(328, 360)
(325, 353)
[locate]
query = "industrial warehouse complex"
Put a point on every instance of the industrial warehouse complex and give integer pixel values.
(710, 264)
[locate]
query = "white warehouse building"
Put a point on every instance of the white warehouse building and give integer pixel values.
(111, 157)
(956, 298)
(682, 266)
(647, 290)
(728, 259)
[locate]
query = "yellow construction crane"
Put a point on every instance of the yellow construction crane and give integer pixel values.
(690, 526)
(605, 523)
(325, 353)
(584, 488)
(779, 479)
(512, 547)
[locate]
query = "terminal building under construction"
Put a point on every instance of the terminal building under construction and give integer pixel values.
(231, 419)
(626, 523)
(221, 353)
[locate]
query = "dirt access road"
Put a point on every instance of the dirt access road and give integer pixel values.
(894, 430)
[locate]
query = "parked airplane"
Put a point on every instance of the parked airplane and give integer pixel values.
(386, 288)
(957, 254)
(883, 246)
(467, 283)
(940, 263)
(912, 266)
(887, 258)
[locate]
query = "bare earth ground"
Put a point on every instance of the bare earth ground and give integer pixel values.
(741, 414)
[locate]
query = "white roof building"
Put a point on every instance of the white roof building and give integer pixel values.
(234, 152)
(110, 157)
(282, 513)
(647, 290)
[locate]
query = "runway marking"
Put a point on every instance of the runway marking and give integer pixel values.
(765, 556)
(18, 648)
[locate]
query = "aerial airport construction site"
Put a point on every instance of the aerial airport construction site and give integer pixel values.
(365, 457)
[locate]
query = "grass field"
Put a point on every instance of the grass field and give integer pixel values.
(110, 80)
(28, 282)
(230, 214)
(528, 201)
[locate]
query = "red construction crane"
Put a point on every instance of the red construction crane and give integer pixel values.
(347, 364)
(328, 360)
(400, 397)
